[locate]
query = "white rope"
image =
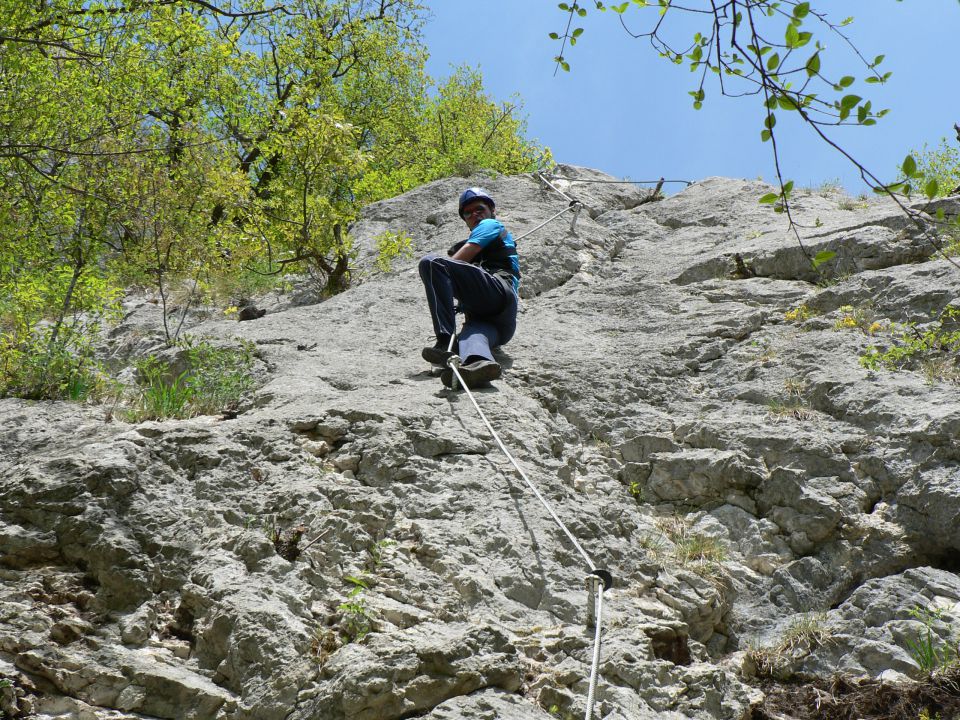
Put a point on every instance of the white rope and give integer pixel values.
(595, 667)
(620, 182)
(520, 471)
(566, 209)
(553, 187)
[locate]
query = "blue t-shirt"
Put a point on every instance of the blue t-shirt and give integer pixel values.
(489, 230)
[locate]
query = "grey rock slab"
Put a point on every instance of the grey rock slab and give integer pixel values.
(872, 630)
(391, 677)
(488, 705)
(655, 382)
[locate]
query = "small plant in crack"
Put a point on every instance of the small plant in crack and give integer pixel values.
(356, 618)
(804, 635)
(854, 318)
(791, 407)
(799, 314)
(285, 543)
(933, 350)
(324, 644)
(927, 650)
(377, 553)
(763, 351)
(693, 550)
(792, 404)
(599, 441)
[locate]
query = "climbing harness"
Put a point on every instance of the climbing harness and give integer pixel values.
(598, 580)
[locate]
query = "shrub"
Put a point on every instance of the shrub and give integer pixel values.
(214, 381)
(940, 164)
(392, 245)
(35, 367)
(934, 349)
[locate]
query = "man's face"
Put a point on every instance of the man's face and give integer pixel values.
(474, 212)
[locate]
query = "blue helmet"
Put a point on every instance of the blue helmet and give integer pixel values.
(475, 193)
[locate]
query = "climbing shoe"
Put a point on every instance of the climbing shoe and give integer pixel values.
(438, 354)
(474, 373)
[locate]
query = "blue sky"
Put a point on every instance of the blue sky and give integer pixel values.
(624, 110)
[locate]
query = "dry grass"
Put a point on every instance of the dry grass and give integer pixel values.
(866, 699)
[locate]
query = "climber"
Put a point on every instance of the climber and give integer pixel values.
(483, 274)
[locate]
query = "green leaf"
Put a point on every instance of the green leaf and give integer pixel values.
(786, 102)
(769, 199)
(773, 62)
(930, 189)
(849, 102)
(878, 59)
(895, 187)
(765, 135)
(770, 121)
(577, 33)
(787, 188)
(792, 36)
(909, 166)
(823, 256)
(563, 6)
(554, 36)
(846, 81)
(801, 10)
(813, 65)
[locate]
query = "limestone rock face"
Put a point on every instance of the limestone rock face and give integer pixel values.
(353, 546)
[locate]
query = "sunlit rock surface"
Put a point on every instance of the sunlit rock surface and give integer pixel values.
(737, 471)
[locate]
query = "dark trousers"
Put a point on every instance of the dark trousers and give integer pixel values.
(490, 306)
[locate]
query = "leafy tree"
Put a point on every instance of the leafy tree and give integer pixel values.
(458, 131)
(939, 165)
(176, 143)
